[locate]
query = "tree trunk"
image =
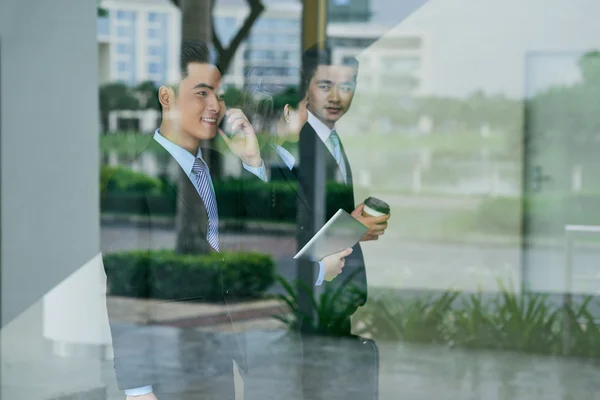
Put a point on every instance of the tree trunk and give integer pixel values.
(195, 24)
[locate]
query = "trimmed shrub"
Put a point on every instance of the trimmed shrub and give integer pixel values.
(126, 195)
(121, 179)
(164, 274)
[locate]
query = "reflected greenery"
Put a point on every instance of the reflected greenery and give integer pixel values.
(509, 321)
(329, 311)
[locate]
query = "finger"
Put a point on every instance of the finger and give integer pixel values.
(379, 220)
(237, 124)
(346, 252)
(235, 115)
(358, 210)
(224, 136)
(378, 230)
(234, 118)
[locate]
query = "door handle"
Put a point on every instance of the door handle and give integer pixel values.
(538, 178)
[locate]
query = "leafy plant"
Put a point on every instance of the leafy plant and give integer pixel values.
(329, 312)
(584, 330)
(417, 319)
(507, 321)
(471, 325)
(526, 322)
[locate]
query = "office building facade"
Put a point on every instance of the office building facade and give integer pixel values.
(138, 41)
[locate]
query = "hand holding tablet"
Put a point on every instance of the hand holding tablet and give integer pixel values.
(341, 232)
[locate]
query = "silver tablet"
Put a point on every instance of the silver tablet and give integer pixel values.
(342, 231)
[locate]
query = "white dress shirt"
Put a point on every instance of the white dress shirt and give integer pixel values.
(286, 156)
(323, 132)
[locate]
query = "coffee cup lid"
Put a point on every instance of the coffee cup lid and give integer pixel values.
(377, 205)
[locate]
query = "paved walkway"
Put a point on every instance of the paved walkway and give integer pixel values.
(192, 315)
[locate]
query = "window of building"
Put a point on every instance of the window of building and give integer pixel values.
(154, 68)
(153, 17)
(124, 31)
(154, 51)
(153, 33)
(102, 26)
(125, 15)
(264, 23)
(401, 64)
(123, 48)
(123, 66)
(226, 28)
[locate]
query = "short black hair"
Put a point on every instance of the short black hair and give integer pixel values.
(193, 51)
(319, 54)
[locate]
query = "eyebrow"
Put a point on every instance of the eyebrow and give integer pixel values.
(203, 86)
(328, 82)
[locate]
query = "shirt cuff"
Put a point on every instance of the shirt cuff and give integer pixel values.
(321, 274)
(260, 172)
(139, 391)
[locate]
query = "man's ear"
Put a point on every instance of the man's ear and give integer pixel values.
(166, 97)
(286, 113)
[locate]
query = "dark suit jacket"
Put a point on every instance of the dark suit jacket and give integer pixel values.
(141, 352)
(344, 199)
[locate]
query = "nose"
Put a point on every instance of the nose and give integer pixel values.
(213, 104)
(334, 94)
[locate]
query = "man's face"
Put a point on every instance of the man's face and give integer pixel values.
(330, 92)
(199, 104)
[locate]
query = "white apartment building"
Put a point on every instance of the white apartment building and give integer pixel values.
(139, 41)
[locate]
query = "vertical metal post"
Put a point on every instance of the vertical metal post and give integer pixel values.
(567, 296)
(311, 171)
(1, 147)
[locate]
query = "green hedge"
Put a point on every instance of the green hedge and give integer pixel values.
(126, 196)
(164, 274)
(121, 179)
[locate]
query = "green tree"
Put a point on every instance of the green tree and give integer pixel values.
(234, 97)
(147, 94)
(115, 96)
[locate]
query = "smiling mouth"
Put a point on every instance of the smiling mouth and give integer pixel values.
(211, 121)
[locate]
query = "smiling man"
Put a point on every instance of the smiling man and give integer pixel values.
(191, 112)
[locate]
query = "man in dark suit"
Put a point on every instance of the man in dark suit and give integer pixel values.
(330, 89)
(191, 112)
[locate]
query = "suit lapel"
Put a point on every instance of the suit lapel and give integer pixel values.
(347, 164)
(194, 202)
(292, 179)
(331, 166)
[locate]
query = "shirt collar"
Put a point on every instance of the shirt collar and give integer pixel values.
(322, 130)
(184, 158)
(286, 156)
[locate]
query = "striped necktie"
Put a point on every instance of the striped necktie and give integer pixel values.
(207, 194)
(336, 147)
